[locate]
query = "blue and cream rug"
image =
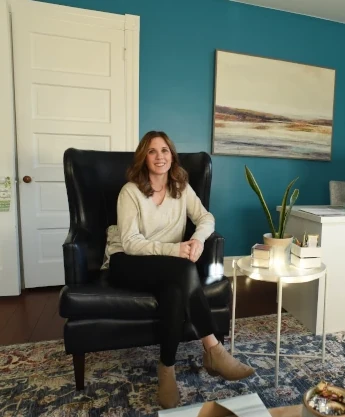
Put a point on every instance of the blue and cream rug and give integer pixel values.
(36, 379)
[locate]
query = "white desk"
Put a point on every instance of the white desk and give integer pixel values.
(305, 301)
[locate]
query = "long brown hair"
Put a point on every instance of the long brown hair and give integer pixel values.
(139, 173)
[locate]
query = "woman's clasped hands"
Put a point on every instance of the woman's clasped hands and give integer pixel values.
(191, 249)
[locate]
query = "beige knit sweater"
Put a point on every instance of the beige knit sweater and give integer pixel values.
(143, 228)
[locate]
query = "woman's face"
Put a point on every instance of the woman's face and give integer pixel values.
(158, 158)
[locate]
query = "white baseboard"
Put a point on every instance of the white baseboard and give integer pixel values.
(228, 269)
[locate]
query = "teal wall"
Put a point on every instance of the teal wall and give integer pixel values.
(178, 39)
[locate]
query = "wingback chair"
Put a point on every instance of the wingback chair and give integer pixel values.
(337, 193)
(99, 315)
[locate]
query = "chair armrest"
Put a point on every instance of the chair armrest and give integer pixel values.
(211, 263)
(75, 249)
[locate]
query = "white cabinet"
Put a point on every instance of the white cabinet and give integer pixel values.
(305, 301)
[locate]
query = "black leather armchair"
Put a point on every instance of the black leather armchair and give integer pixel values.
(99, 315)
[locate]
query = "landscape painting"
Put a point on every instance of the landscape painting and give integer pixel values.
(272, 108)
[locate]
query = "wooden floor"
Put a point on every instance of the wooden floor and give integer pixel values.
(33, 316)
(30, 317)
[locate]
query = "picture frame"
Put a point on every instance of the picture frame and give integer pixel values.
(266, 107)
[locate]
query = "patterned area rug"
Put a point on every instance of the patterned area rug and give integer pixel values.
(37, 378)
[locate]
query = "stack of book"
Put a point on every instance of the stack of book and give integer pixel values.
(261, 256)
(305, 257)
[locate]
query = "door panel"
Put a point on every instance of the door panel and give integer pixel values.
(70, 82)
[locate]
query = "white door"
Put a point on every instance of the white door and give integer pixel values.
(76, 85)
(9, 259)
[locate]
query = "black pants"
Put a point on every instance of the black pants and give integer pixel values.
(176, 284)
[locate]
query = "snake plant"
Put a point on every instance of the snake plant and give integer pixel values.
(285, 210)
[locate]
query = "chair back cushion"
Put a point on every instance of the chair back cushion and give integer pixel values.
(337, 193)
(94, 180)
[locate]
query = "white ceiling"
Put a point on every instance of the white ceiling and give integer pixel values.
(324, 9)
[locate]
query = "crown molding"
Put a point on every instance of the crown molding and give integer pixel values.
(332, 10)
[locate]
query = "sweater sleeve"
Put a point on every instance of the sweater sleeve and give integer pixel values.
(203, 220)
(133, 242)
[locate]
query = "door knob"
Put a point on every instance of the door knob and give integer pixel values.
(27, 179)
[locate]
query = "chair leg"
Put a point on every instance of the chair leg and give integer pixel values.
(79, 368)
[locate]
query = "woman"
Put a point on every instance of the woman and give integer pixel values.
(147, 254)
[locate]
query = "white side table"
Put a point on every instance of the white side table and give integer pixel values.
(281, 275)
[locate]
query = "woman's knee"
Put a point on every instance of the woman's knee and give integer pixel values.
(186, 274)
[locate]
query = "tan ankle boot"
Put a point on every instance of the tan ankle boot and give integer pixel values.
(218, 361)
(168, 394)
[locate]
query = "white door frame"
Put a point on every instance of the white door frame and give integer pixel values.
(132, 34)
(9, 248)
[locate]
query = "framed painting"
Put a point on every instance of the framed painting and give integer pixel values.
(272, 108)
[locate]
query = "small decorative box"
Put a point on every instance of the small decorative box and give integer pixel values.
(305, 262)
(261, 263)
(305, 251)
(261, 256)
(261, 251)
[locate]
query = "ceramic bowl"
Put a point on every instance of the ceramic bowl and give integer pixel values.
(308, 411)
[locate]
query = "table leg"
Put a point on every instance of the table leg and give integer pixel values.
(234, 293)
(324, 320)
(279, 319)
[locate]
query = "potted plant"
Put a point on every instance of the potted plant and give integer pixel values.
(277, 237)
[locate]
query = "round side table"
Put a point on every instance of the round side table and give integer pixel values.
(281, 275)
